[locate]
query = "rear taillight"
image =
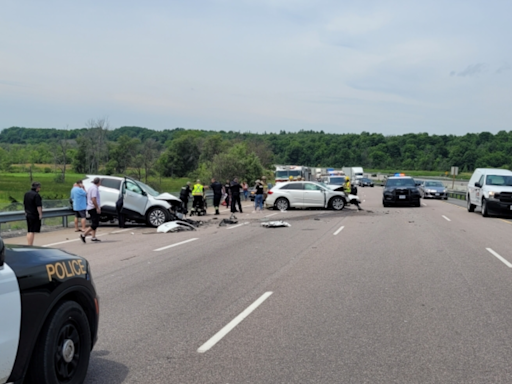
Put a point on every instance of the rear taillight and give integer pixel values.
(270, 192)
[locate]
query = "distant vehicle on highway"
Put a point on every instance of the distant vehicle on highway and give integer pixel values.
(365, 182)
(49, 316)
(433, 189)
(296, 194)
(141, 203)
(491, 191)
(400, 190)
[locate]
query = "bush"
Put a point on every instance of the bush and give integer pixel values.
(47, 170)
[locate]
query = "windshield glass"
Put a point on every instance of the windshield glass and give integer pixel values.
(400, 183)
(336, 180)
(148, 189)
(499, 180)
(434, 184)
(287, 174)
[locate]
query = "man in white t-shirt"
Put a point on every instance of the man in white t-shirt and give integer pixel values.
(94, 209)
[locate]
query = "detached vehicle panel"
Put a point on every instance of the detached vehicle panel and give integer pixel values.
(52, 315)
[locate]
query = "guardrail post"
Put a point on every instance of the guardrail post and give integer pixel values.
(65, 221)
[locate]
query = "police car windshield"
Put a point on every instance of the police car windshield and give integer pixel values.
(148, 189)
(400, 182)
(287, 173)
(499, 180)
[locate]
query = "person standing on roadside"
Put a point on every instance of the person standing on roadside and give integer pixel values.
(227, 191)
(245, 188)
(33, 211)
(184, 195)
(198, 193)
(258, 197)
(216, 187)
(79, 199)
(235, 196)
(94, 210)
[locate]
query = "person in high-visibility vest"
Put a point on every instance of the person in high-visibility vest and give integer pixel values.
(197, 192)
(347, 187)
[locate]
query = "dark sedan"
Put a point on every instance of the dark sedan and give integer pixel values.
(365, 182)
(401, 191)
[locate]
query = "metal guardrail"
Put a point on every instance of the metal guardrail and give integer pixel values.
(6, 217)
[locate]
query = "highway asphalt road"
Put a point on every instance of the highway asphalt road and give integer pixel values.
(385, 295)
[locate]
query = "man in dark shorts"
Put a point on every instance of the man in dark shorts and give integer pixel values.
(235, 196)
(94, 209)
(216, 187)
(33, 211)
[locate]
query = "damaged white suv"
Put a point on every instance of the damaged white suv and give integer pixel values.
(141, 203)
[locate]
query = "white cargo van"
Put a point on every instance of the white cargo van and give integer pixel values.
(491, 191)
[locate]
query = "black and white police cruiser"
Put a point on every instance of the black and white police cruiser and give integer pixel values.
(49, 315)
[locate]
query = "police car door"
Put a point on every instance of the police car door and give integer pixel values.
(134, 198)
(11, 319)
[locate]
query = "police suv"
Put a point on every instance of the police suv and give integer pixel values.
(49, 315)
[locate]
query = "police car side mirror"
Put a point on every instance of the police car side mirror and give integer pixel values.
(2, 252)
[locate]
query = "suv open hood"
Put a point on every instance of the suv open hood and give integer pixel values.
(168, 197)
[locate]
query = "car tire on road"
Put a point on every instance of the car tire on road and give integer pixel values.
(485, 211)
(157, 216)
(282, 204)
(63, 349)
(384, 204)
(471, 207)
(337, 203)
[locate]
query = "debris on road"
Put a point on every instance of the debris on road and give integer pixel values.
(227, 222)
(275, 224)
(176, 226)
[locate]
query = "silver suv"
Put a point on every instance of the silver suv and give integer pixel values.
(141, 203)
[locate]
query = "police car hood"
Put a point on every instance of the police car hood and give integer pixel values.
(168, 197)
(21, 256)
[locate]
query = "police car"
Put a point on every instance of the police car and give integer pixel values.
(49, 315)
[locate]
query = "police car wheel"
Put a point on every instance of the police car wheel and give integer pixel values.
(63, 349)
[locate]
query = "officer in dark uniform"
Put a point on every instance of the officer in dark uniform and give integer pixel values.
(235, 196)
(184, 195)
(216, 187)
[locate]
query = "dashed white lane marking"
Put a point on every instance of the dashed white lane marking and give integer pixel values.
(123, 230)
(70, 241)
(425, 205)
(236, 226)
(272, 214)
(444, 217)
(339, 230)
(175, 245)
(504, 261)
(237, 320)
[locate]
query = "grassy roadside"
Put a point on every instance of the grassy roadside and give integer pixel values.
(16, 184)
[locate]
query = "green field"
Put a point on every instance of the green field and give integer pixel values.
(16, 184)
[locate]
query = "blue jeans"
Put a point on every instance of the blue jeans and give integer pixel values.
(258, 202)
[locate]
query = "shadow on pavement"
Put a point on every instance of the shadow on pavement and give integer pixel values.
(102, 370)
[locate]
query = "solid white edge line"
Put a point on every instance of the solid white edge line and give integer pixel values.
(272, 214)
(447, 219)
(339, 230)
(235, 226)
(70, 241)
(425, 205)
(175, 245)
(499, 257)
(232, 324)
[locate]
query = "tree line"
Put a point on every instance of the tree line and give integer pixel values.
(199, 153)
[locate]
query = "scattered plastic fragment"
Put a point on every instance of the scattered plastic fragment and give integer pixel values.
(275, 224)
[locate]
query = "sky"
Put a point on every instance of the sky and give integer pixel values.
(390, 67)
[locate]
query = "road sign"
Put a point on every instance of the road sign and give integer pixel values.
(455, 171)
